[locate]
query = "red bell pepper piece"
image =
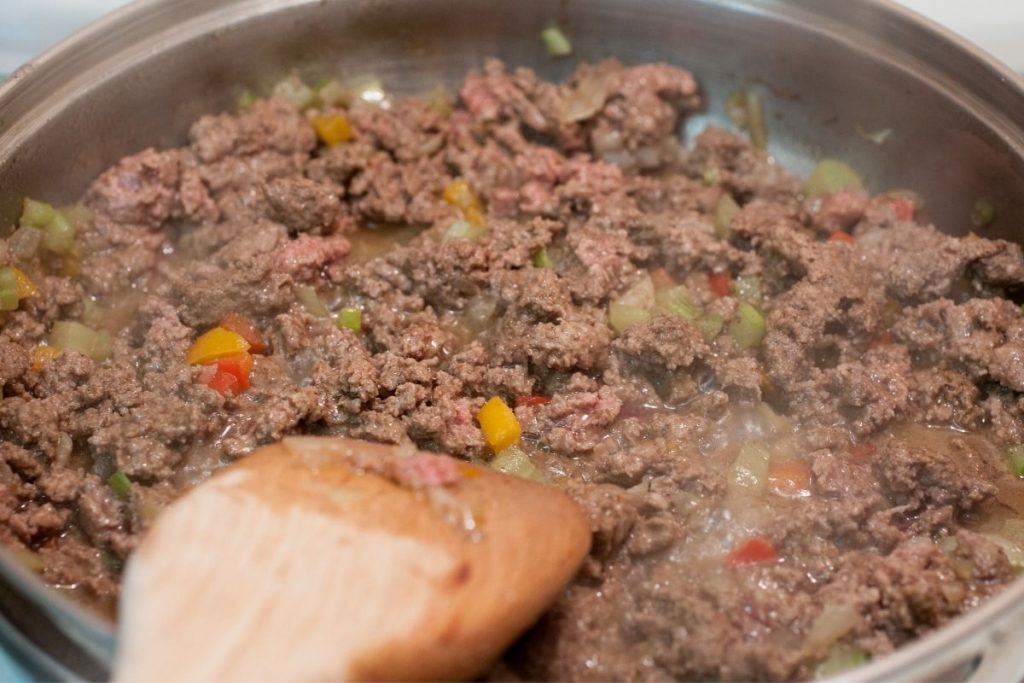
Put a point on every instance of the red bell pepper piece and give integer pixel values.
(247, 330)
(753, 550)
(903, 207)
(720, 283)
(233, 373)
(224, 383)
(842, 236)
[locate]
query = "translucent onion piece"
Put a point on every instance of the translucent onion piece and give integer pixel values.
(24, 243)
(677, 301)
(310, 301)
(59, 235)
(35, 213)
(465, 230)
(634, 306)
(586, 99)
(556, 42)
(513, 460)
(749, 326)
(841, 657)
(834, 622)
(831, 175)
(724, 212)
(749, 472)
(74, 336)
(295, 91)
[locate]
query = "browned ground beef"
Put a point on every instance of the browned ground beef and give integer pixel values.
(885, 390)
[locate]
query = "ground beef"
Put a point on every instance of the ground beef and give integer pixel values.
(747, 476)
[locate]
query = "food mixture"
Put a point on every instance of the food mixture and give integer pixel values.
(792, 410)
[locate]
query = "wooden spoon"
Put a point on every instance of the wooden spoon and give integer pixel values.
(335, 559)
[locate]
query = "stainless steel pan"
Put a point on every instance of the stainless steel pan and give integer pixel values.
(825, 68)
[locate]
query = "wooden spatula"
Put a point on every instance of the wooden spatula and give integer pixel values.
(333, 559)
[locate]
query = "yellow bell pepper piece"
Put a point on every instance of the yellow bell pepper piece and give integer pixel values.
(474, 216)
(499, 424)
(26, 287)
(41, 355)
(459, 194)
(217, 343)
(333, 129)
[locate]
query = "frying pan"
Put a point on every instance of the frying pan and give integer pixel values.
(828, 71)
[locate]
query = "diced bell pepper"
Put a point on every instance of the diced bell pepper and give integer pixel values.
(247, 329)
(332, 129)
(498, 424)
(217, 343)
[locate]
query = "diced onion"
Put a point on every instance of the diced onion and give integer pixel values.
(556, 42)
(724, 212)
(1016, 454)
(310, 301)
(878, 136)
(59, 235)
(24, 243)
(634, 306)
(772, 422)
(331, 92)
(74, 336)
(677, 301)
(440, 100)
(623, 316)
(747, 112)
(515, 461)
(479, 312)
(464, 230)
(841, 657)
(295, 91)
(710, 325)
(829, 176)
(586, 99)
(8, 289)
(749, 471)
(35, 213)
(749, 326)
(834, 622)
(104, 346)
(1010, 537)
(747, 288)
(641, 294)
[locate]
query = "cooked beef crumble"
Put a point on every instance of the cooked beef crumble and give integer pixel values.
(766, 494)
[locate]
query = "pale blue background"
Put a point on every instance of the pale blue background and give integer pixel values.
(11, 672)
(27, 27)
